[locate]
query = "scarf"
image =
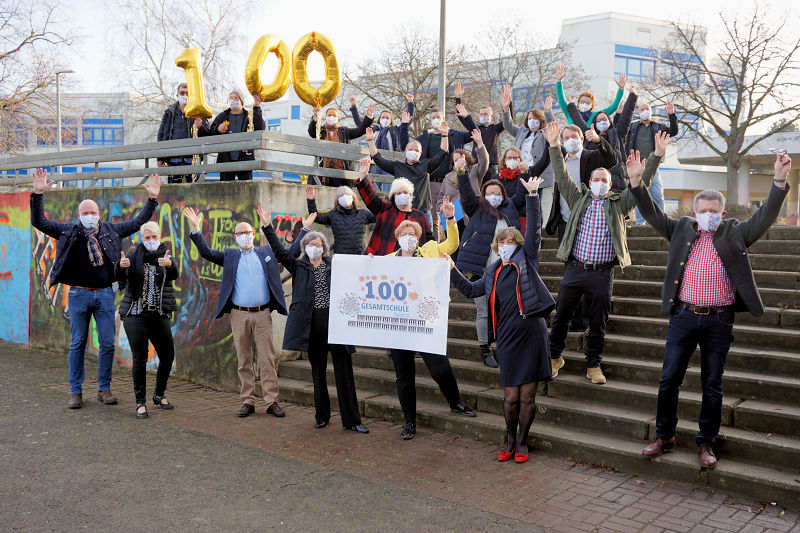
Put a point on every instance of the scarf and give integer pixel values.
(332, 134)
(93, 245)
(507, 174)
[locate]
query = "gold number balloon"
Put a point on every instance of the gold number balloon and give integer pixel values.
(252, 72)
(333, 81)
(189, 61)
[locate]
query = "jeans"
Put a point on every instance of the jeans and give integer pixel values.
(244, 175)
(178, 178)
(83, 304)
(441, 372)
(429, 216)
(714, 333)
(155, 328)
(482, 319)
(657, 193)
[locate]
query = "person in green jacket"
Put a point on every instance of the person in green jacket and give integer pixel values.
(586, 98)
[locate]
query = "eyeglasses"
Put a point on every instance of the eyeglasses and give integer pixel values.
(243, 233)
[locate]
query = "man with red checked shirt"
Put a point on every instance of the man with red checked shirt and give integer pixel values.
(708, 279)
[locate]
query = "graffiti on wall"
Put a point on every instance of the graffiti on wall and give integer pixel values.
(15, 245)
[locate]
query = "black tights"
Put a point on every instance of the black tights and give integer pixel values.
(519, 409)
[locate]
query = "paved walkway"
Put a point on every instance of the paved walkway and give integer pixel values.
(200, 467)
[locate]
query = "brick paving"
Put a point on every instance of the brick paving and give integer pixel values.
(548, 492)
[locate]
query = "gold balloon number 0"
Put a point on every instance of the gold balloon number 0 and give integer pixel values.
(189, 60)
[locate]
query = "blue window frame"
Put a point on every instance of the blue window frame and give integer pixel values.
(103, 132)
(635, 68)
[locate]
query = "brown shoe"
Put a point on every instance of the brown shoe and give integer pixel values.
(706, 456)
(556, 365)
(75, 401)
(657, 447)
(275, 410)
(106, 397)
(596, 375)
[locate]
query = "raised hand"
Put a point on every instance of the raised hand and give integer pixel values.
(124, 262)
(165, 261)
(256, 99)
(40, 183)
(621, 81)
(669, 108)
(477, 138)
(309, 220)
(371, 110)
(532, 185)
(363, 168)
(369, 134)
(592, 135)
(553, 134)
(635, 166)
(461, 110)
(154, 187)
(264, 216)
(561, 71)
(444, 129)
(405, 117)
(409, 97)
(662, 141)
(547, 105)
(195, 218)
(458, 90)
(311, 192)
(523, 167)
(505, 97)
(352, 100)
(447, 209)
(783, 164)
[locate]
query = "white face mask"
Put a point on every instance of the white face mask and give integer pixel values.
(384, 122)
(599, 188)
(331, 120)
(402, 199)
(183, 99)
(313, 252)
(436, 123)
(512, 163)
(584, 107)
(408, 243)
(412, 155)
(151, 246)
(345, 200)
(645, 114)
(244, 241)
(533, 124)
(89, 221)
(572, 145)
(494, 199)
(505, 251)
(485, 120)
(708, 221)
(602, 125)
(234, 104)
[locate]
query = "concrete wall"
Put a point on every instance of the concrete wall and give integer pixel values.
(204, 347)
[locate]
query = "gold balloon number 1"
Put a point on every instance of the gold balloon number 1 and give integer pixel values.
(189, 60)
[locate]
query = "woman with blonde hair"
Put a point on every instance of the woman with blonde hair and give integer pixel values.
(149, 300)
(518, 303)
(347, 219)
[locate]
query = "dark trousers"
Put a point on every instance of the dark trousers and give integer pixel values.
(441, 372)
(178, 178)
(713, 333)
(155, 328)
(318, 349)
(242, 175)
(597, 286)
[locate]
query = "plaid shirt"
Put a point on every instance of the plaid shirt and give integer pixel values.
(387, 218)
(705, 281)
(593, 244)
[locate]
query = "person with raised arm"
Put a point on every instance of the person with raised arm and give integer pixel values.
(348, 220)
(334, 132)
(462, 162)
(586, 98)
(490, 131)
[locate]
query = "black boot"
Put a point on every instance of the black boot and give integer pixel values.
(488, 357)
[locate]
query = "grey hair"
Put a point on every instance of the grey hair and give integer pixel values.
(237, 93)
(710, 195)
(181, 86)
(310, 236)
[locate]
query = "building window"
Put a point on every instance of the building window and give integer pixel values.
(103, 132)
(274, 124)
(295, 112)
(635, 68)
(46, 132)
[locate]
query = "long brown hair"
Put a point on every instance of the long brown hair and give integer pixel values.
(485, 205)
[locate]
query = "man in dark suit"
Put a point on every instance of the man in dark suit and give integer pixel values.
(251, 289)
(708, 279)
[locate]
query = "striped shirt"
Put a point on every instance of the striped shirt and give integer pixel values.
(593, 244)
(705, 281)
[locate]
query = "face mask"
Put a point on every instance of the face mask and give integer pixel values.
(599, 188)
(584, 107)
(533, 124)
(512, 163)
(183, 99)
(412, 155)
(505, 251)
(572, 145)
(89, 221)
(244, 241)
(402, 199)
(345, 200)
(485, 120)
(384, 122)
(151, 246)
(602, 125)
(313, 252)
(436, 123)
(234, 104)
(645, 115)
(331, 120)
(494, 199)
(708, 221)
(408, 243)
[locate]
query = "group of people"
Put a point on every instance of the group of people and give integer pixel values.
(581, 182)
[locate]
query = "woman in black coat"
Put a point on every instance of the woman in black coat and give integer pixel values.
(347, 220)
(519, 302)
(149, 300)
(307, 323)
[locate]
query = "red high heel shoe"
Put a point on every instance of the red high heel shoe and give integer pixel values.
(504, 456)
(521, 457)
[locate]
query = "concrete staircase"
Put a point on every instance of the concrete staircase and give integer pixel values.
(759, 448)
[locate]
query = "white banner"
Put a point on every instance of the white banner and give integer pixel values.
(390, 302)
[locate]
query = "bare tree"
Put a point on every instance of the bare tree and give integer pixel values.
(751, 81)
(30, 48)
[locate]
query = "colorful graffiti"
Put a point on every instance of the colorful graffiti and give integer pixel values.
(15, 245)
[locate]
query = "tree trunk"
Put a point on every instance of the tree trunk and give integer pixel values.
(733, 181)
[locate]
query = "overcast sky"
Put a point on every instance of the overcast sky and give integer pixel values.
(358, 27)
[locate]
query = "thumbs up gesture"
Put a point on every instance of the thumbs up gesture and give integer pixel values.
(165, 261)
(124, 262)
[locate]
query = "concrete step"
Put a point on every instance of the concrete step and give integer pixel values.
(768, 417)
(783, 233)
(635, 306)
